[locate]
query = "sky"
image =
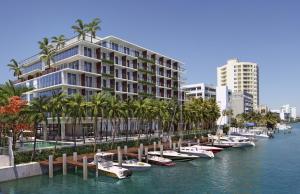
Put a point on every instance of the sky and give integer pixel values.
(203, 34)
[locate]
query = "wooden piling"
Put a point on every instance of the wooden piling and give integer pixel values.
(139, 154)
(119, 156)
(170, 143)
(125, 151)
(64, 164)
(142, 148)
(161, 150)
(50, 166)
(189, 144)
(154, 146)
(174, 146)
(75, 159)
(146, 154)
(198, 141)
(96, 163)
(85, 171)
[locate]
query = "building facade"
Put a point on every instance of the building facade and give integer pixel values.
(111, 64)
(288, 113)
(200, 90)
(240, 76)
(241, 102)
(223, 99)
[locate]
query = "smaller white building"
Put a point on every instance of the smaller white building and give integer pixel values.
(200, 90)
(223, 95)
(288, 113)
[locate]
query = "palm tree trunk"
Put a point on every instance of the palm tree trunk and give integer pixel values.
(34, 143)
(95, 130)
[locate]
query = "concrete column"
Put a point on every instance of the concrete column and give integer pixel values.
(119, 156)
(64, 164)
(44, 131)
(170, 143)
(161, 150)
(198, 141)
(11, 152)
(189, 144)
(50, 162)
(63, 130)
(85, 172)
(154, 146)
(174, 146)
(75, 159)
(159, 143)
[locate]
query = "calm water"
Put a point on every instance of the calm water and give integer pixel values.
(273, 166)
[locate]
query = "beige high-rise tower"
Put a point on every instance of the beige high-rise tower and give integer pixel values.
(240, 76)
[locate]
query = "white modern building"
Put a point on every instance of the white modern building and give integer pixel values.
(111, 64)
(240, 76)
(288, 113)
(200, 90)
(223, 97)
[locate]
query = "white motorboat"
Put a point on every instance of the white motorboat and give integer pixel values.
(173, 155)
(107, 167)
(209, 148)
(241, 141)
(283, 126)
(197, 152)
(231, 141)
(160, 160)
(134, 165)
(255, 133)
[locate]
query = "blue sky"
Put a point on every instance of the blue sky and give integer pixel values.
(203, 34)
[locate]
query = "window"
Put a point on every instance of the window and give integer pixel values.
(32, 67)
(116, 60)
(71, 91)
(66, 54)
(117, 73)
(104, 69)
(49, 93)
(72, 79)
(104, 83)
(87, 52)
(87, 66)
(49, 80)
(115, 46)
(88, 81)
(126, 50)
(74, 65)
(117, 86)
(136, 53)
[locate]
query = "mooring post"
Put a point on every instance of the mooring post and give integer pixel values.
(198, 141)
(96, 163)
(170, 143)
(84, 168)
(64, 164)
(179, 143)
(142, 148)
(126, 151)
(98, 150)
(189, 144)
(154, 146)
(146, 154)
(119, 156)
(75, 159)
(161, 150)
(50, 162)
(159, 143)
(174, 146)
(139, 154)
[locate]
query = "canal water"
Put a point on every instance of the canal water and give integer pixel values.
(272, 166)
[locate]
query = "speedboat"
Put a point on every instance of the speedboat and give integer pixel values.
(197, 152)
(241, 141)
(219, 141)
(107, 167)
(157, 160)
(134, 165)
(283, 126)
(173, 155)
(209, 148)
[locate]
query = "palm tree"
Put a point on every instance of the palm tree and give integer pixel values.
(37, 112)
(59, 41)
(47, 51)
(8, 90)
(80, 28)
(114, 113)
(57, 104)
(76, 109)
(93, 27)
(14, 66)
(97, 105)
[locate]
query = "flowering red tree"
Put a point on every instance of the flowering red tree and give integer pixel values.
(13, 120)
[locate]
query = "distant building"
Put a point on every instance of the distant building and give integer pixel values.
(288, 113)
(200, 90)
(263, 109)
(240, 76)
(223, 96)
(241, 102)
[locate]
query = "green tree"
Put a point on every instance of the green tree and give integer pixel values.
(15, 67)
(59, 41)
(80, 28)
(93, 27)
